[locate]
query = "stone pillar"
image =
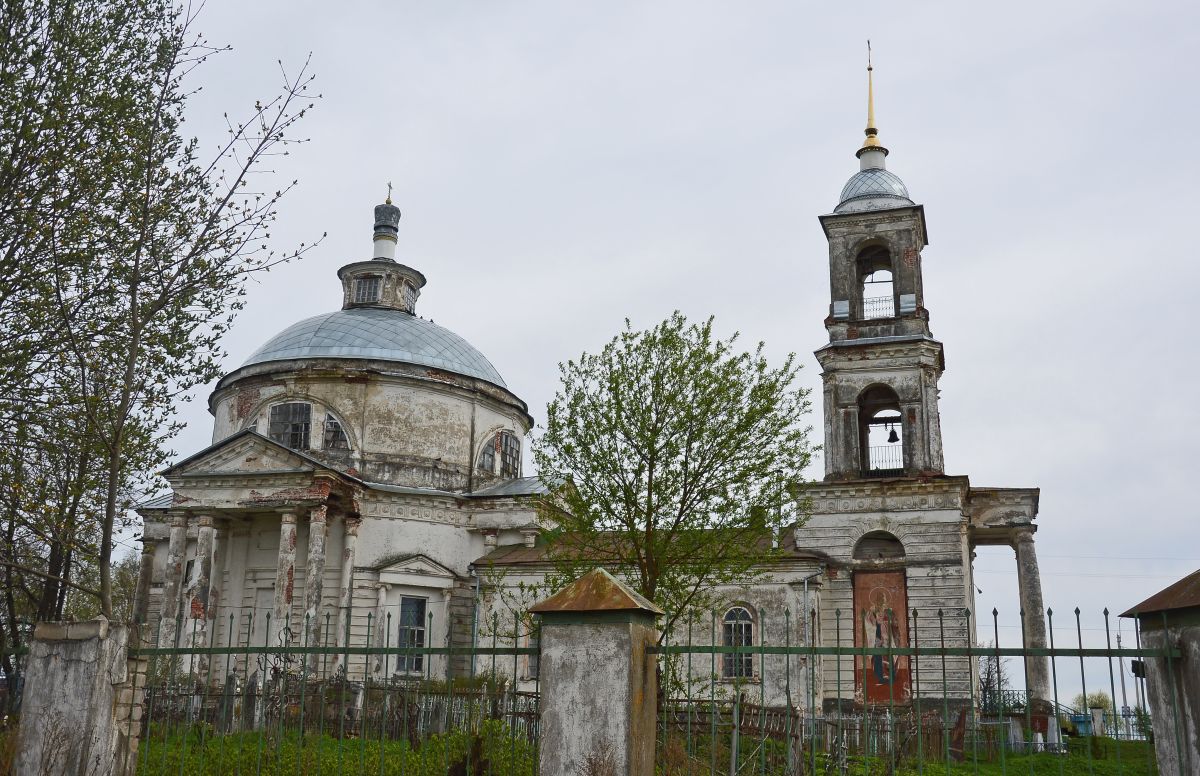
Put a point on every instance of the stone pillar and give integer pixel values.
(141, 596)
(285, 574)
(382, 629)
(198, 594)
(219, 549)
(172, 581)
(599, 687)
(1029, 583)
(346, 601)
(1173, 684)
(81, 708)
(314, 579)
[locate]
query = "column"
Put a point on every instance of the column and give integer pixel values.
(382, 630)
(346, 601)
(1029, 583)
(141, 597)
(173, 579)
(198, 609)
(219, 561)
(314, 578)
(285, 573)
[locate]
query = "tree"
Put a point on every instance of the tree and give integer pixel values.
(672, 457)
(994, 678)
(123, 253)
(1094, 700)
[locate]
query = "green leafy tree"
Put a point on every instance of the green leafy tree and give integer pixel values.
(1094, 700)
(123, 251)
(672, 458)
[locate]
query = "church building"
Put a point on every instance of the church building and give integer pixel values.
(364, 487)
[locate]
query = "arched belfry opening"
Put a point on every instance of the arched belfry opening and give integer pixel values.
(879, 546)
(881, 432)
(877, 292)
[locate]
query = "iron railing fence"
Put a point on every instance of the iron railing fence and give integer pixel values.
(885, 460)
(841, 703)
(879, 307)
(359, 705)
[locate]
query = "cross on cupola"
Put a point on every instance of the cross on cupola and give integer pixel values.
(882, 364)
(382, 281)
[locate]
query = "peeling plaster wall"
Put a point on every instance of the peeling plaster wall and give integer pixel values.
(935, 543)
(407, 426)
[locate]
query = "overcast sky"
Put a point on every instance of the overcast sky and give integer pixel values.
(564, 165)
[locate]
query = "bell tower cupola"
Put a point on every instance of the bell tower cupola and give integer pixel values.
(382, 281)
(881, 366)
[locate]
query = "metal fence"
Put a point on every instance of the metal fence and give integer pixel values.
(290, 707)
(879, 307)
(828, 723)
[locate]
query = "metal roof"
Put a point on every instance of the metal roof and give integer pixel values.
(1184, 594)
(381, 334)
(872, 189)
(595, 591)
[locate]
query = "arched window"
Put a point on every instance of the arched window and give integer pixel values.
(290, 424)
(737, 630)
(881, 432)
(335, 435)
(504, 447)
(875, 283)
(510, 455)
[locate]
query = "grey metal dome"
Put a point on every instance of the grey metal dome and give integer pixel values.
(377, 333)
(872, 189)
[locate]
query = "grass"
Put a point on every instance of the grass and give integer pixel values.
(199, 753)
(1087, 757)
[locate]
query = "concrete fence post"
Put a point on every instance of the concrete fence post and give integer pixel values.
(81, 708)
(599, 688)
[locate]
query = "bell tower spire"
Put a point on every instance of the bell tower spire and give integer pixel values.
(882, 364)
(872, 132)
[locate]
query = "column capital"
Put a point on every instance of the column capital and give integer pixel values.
(179, 520)
(149, 545)
(206, 521)
(318, 514)
(288, 518)
(351, 524)
(1021, 534)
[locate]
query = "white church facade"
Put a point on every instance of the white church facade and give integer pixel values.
(365, 486)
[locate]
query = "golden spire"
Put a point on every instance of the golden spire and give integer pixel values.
(872, 141)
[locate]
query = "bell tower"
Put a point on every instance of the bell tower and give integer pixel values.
(881, 367)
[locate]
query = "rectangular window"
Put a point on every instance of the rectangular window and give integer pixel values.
(366, 290)
(534, 642)
(411, 634)
(290, 424)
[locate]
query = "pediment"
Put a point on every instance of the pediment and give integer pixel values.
(416, 564)
(416, 571)
(247, 453)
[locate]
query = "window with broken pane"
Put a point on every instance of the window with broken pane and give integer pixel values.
(510, 455)
(335, 435)
(290, 424)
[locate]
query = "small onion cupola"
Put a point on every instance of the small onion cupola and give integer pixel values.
(382, 281)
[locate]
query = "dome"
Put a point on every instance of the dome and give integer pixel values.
(872, 189)
(381, 334)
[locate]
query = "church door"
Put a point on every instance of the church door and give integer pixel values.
(881, 614)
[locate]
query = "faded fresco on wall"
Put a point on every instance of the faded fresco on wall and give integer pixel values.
(880, 606)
